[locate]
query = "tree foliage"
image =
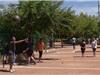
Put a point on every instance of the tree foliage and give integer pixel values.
(42, 18)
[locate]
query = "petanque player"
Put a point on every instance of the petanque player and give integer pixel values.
(40, 47)
(11, 58)
(29, 50)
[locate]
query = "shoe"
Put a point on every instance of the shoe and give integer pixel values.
(40, 61)
(34, 62)
(11, 70)
(14, 64)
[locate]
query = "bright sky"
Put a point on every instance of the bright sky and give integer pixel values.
(9, 0)
(89, 7)
(47, 0)
(80, 0)
(77, 5)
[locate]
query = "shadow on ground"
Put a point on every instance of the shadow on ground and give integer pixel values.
(83, 56)
(97, 47)
(2, 70)
(48, 59)
(85, 51)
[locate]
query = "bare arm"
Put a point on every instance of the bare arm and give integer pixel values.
(25, 50)
(19, 41)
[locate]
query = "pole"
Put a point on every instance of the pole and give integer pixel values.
(98, 8)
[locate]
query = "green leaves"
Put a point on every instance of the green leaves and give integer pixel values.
(46, 17)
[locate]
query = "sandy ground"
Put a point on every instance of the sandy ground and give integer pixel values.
(61, 61)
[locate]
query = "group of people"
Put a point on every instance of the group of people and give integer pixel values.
(93, 46)
(83, 45)
(40, 46)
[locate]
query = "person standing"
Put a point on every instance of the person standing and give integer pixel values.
(50, 43)
(62, 43)
(94, 46)
(40, 47)
(5, 54)
(83, 47)
(74, 42)
(11, 58)
(89, 40)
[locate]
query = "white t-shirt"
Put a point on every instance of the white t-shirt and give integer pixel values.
(74, 40)
(94, 44)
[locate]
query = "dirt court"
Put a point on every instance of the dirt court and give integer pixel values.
(61, 61)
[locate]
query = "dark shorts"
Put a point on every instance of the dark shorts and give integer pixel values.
(82, 50)
(10, 59)
(73, 43)
(29, 53)
(94, 49)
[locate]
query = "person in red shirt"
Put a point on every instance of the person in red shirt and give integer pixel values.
(40, 47)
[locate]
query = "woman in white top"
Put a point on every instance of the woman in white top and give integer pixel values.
(94, 46)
